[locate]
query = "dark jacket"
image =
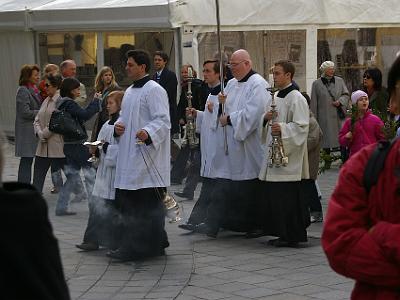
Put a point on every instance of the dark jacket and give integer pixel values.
(169, 82)
(379, 103)
(80, 114)
(361, 235)
(199, 98)
(31, 264)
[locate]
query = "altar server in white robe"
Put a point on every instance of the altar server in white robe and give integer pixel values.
(245, 99)
(206, 125)
(143, 164)
(100, 229)
(285, 211)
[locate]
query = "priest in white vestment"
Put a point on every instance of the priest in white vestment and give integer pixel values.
(237, 170)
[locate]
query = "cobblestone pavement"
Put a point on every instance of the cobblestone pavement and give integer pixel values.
(196, 267)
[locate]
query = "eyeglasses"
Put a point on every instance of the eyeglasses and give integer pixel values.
(366, 76)
(231, 65)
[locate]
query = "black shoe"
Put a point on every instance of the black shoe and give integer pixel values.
(184, 195)
(65, 213)
(120, 255)
(253, 234)
(160, 252)
(282, 243)
(123, 256)
(88, 246)
(187, 226)
(204, 228)
(316, 217)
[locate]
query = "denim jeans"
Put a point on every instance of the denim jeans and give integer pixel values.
(76, 159)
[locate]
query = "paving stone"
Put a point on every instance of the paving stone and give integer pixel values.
(210, 270)
(286, 296)
(256, 292)
(232, 287)
(332, 295)
(307, 289)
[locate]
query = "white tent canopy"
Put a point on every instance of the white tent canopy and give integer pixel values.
(289, 13)
(40, 15)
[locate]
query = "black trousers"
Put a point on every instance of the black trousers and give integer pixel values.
(199, 211)
(179, 169)
(103, 222)
(193, 176)
(233, 205)
(25, 170)
(311, 193)
(285, 209)
(142, 215)
(40, 168)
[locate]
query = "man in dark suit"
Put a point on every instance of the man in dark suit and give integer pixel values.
(167, 79)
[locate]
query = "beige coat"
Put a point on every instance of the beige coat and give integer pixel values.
(314, 140)
(50, 144)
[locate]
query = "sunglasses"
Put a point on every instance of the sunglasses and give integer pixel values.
(367, 76)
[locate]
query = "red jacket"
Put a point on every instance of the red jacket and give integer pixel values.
(361, 235)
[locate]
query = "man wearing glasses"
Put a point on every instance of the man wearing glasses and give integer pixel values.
(245, 99)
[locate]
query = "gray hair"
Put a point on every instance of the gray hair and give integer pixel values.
(325, 65)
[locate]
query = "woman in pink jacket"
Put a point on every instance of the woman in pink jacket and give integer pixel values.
(363, 128)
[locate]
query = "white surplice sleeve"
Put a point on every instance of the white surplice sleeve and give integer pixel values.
(295, 132)
(159, 126)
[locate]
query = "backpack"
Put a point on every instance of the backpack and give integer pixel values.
(376, 163)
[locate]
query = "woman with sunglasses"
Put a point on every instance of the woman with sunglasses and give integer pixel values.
(49, 151)
(378, 96)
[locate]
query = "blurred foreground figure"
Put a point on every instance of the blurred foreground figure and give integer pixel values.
(31, 267)
(361, 236)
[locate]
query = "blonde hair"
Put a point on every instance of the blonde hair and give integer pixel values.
(49, 68)
(117, 97)
(99, 84)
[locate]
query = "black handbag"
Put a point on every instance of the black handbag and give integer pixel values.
(341, 113)
(63, 123)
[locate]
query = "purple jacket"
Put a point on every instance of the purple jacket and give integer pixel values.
(367, 130)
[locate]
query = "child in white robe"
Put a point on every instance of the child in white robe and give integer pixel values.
(102, 214)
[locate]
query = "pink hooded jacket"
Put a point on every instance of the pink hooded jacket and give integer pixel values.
(367, 130)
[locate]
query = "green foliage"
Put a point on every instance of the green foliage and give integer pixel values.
(326, 160)
(389, 129)
(389, 126)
